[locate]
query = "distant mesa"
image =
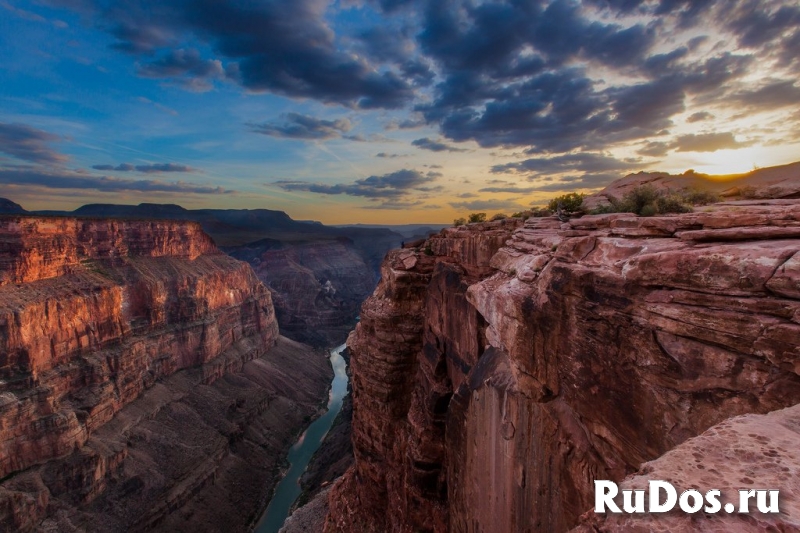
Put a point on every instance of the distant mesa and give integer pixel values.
(7, 207)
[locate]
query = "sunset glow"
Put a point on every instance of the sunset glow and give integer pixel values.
(386, 111)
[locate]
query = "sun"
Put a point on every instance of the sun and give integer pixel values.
(732, 161)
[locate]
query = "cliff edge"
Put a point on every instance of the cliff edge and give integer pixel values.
(501, 368)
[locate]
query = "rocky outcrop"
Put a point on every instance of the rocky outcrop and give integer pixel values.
(94, 316)
(780, 182)
(750, 451)
(498, 375)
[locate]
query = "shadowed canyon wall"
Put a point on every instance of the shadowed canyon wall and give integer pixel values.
(501, 368)
(140, 382)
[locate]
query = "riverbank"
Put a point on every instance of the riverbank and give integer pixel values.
(300, 454)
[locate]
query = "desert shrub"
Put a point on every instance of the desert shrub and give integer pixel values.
(521, 214)
(671, 203)
(647, 201)
(477, 217)
(699, 197)
(540, 212)
(459, 222)
(428, 249)
(570, 203)
(637, 198)
(499, 216)
(603, 209)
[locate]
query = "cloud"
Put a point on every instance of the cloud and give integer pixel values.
(297, 126)
(654, 149)
(29, 144)
(394, 205)
(384, 155)
(188, 66)
(147, 169)
(388, 186)
(435, 146)
(75, 180)
(480, 205)
(585, 181)
(699, 117)
(775, 94)
(519, 190)
(582, 161)
(707, 142)
(286, 48)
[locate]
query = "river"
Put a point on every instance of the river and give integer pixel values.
(300, 454)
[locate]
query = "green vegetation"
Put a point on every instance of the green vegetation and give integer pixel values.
(476, 217)
(647, 201)
(569, 203)
(459, 222)
(499, 216)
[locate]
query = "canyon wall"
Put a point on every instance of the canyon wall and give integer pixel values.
(501, 368)
(135, 358)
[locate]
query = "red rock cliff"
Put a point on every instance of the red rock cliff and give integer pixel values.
(495, 378)
(93, 312)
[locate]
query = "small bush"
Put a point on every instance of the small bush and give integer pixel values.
(477, 217)
(698, 197)
(459, 222)
(498, 216)
(570, 203)
(637, 198)
(671, 203)
(428, 249)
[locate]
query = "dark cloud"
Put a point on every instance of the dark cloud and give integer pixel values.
(147, 169)
(699, 117)
(122, 167)
(297, 126)
(480, 205)
(435, 146)
(76, 180)
(391, 186)
(193, 71)
(654, 149)
(29, 144)
(583, 161)
(775, 94)
(384, 155)
(707, 142)
(585, 181)
(283, 47)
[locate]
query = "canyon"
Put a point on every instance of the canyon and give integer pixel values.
(500, 368)
(318, 275)
(143, 382)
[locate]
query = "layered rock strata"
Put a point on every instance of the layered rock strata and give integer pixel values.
(495, 379)
(95, 315)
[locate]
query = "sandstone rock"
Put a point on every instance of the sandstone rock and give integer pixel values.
(750, 451)
(494, 381)
(93, 313)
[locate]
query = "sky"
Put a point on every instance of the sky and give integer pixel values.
(386, 111)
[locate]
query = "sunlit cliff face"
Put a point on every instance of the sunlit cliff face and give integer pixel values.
(386, 110)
